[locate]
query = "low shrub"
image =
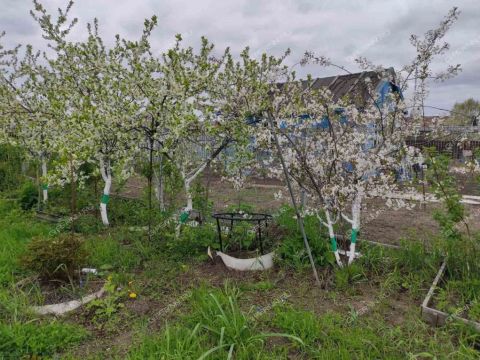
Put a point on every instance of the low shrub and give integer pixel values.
(55, 258)
(240, 207)
(28, 196)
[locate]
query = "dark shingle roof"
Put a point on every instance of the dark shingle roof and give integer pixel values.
(354, 85)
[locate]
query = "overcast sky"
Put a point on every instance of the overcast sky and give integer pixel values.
(339, 29)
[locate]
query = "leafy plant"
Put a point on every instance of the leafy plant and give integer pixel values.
(200, 200)
(240, 207)
(374, 259)
(109, 252)
(291, 251)
(462, 250)
(88, 224)
(105, 307)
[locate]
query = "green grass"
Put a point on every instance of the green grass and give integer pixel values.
(107, 252)
(22, 334)
(16, 230)
(213, 323)
(343, 336)
(220, 322)
(215, 327)
(37, 339)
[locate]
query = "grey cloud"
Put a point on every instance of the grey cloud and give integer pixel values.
(339, 29)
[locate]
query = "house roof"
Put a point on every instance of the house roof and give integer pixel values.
(354, 85)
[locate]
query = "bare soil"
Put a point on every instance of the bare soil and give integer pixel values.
(379, 223)
(58, 292)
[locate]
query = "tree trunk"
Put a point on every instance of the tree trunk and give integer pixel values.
(37, 179)
(356, 211)
(73, 193)
(150, 183)
(44, 184)
(107, 178)
(333, 240)
(207, 186)
(95, 189)
(159, 185)
(188, 194)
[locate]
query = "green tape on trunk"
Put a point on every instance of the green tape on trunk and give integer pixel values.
(44, 186)
(333, 242)
(105, 198)
(184, 217)
(354, 236)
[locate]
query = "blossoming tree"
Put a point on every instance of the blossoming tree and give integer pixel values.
(342, 151)
(27, 107)
(94, 97)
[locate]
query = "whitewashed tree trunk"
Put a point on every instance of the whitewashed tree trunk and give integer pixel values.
(188, 184)
(356, 212)
(188, 192)
(159, 185)
(44, 175)
(107, 178)
(333, 241)
(24, 168)
(355, 223)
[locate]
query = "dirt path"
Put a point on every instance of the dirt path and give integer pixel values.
(379, 223)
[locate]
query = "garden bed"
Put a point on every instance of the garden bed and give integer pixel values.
(60, 300)
(53, 293)
(437, 317)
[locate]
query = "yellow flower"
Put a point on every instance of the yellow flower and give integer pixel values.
(132, 295)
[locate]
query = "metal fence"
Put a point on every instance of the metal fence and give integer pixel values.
(453, 148)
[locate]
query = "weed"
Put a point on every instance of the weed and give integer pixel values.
(105, 307)
(348, 275)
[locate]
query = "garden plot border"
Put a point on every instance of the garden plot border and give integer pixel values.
(62, 308)
(436, 317)
(48, 217)
(263, 262)
(391, 246)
